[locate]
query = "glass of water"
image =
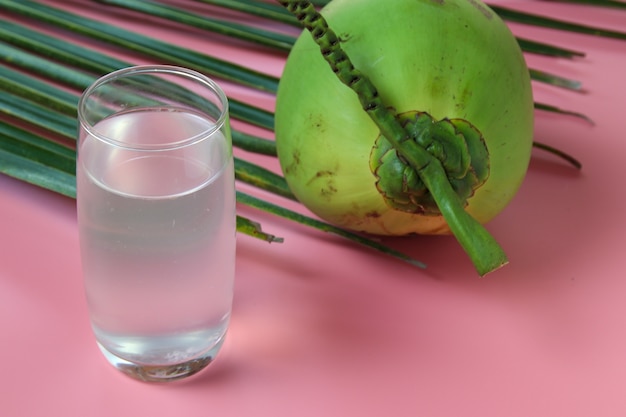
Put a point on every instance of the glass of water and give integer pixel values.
(156, 216)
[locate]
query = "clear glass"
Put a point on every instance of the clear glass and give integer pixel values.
(156, 216)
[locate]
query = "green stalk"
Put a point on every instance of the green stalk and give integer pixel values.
(485, 253)
(139, 43)
(248, 33)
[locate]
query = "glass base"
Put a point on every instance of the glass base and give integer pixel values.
(160, 373)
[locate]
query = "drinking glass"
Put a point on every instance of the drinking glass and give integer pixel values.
(156, 216)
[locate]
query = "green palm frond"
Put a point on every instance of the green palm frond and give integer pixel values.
(141, 44)
(552, 23)
(42, 76)
(601, 3)
(247, 33)
(257, 8)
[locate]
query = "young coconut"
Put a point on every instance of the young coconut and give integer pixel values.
(445, 139)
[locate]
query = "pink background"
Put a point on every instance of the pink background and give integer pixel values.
(322, 327)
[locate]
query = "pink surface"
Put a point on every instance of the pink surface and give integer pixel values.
(323, 328)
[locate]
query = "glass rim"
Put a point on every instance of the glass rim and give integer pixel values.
(153, 69)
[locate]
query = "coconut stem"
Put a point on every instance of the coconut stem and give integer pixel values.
(485, 253)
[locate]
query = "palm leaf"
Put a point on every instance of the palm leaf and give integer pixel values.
(247, 33)
(25, 98)
(41, 162)
(536, 20)
(44, 162)
(88, 60)
(37, 115)
(252, 228)
(270, 11)
(555, 109)
(176, 15)
(543, 48)
(141, 44)
(252, 201)
(29, 158)
(602, 3)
